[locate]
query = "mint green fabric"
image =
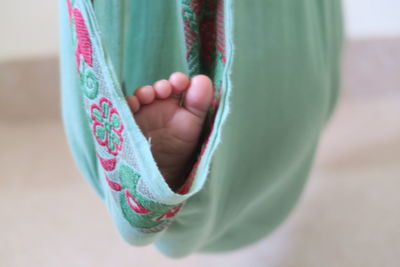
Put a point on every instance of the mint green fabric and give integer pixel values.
(282, 73)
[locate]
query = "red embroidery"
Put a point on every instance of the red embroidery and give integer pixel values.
(204, 36)
(84, 45)
(114, 186)
(134, 204)
(189, 181)
(190, 37)
(108, 164)
(207, 32)
(221, 29)
(170, 213)
(196, 5)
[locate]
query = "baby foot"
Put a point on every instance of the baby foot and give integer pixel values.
(174, 129)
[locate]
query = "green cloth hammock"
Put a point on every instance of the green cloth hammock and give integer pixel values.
(275, 69)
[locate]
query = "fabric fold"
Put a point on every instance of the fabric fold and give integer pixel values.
(275, 69)
(139, 199)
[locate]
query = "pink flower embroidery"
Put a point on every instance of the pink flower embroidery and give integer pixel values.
(107, 126)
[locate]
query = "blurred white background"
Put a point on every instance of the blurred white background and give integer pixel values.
(372, 18)
(34, 27)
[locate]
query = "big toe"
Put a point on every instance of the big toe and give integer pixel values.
(199, 95)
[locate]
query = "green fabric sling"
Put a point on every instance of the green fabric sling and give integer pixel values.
(280, 84)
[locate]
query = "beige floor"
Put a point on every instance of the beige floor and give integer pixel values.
(348, 215)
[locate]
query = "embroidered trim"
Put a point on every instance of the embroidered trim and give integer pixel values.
(107, 164)
(170, 213)
(205, 17)
(89, 83)
(134, 204)
(107, 126)
(190, 14)
(113, 185)
(157, 228)
(221, 30)
(138, 209)
(205, 53)
(84, 46)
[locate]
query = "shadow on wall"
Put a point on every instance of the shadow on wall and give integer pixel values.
(371, 67)
(30, 89)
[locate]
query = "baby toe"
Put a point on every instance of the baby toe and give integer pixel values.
(199, 95)
(145, 94)
(163, 89)
(179, 81)
(133, 103)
